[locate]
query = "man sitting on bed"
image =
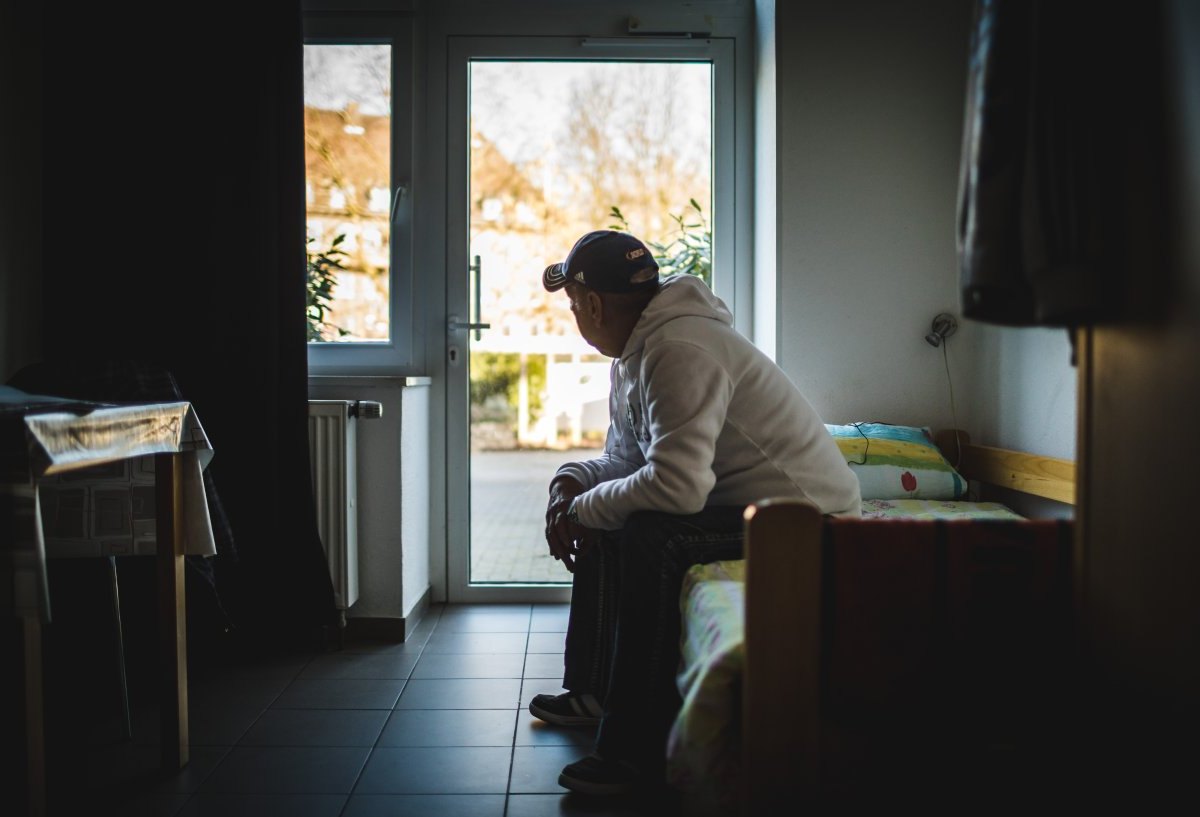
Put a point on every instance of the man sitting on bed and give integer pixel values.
(701, 424)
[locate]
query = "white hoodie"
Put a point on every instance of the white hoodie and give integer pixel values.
(699, 416)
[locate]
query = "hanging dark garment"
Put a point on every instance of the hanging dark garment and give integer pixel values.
(1054, 144)
(189, 255)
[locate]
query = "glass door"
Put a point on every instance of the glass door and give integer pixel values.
(555, 138)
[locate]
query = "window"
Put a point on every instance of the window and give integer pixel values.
(358, 146)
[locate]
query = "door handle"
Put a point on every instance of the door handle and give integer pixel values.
(454, 324)
(477, 271)
(397, 196)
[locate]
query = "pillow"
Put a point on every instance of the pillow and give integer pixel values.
(897, 462)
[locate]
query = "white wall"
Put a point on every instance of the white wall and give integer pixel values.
(869, 100)
(393, 528)
(1027, 399)
(1024, 398)
(415, 492)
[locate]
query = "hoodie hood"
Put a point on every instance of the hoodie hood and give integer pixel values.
(679, 296)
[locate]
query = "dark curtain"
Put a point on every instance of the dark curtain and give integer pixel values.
(174, 224)
(1061, 161)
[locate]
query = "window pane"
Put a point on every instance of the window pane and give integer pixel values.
(347, 150)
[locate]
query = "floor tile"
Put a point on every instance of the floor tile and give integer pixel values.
(281, 666)
(214, 726)
(425, 805)
(344, 665)
(572, 805)
(287, 770)
(533, 731)
(220, 711)
(461, 693)
(544, 665)
(449, 727)
(209, 724)
(420, 633)
(246, 693)
(348, 694)
(451, 642)
(343, 734)
(449, 611)
(126, 804)
(549, 618)
(437, 770)
(498, 619)
(546, 642)
(536, 768)
(208, 804)
(316, 727)
(469, 665)
(131, 767)
(409, 647)
(150, 805)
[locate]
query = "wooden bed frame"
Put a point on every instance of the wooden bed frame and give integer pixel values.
(790, 746)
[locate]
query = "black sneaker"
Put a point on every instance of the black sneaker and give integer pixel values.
(599, 777)
(567, 709)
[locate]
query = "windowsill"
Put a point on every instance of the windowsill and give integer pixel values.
(408, 381)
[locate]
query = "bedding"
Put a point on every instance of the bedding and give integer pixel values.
(897, 462)
(711, 659)
(934, 509)
(703, 746)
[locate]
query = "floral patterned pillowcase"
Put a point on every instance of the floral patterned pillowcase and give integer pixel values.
(897, 462)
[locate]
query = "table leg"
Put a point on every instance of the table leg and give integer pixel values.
(119, 634)
(172, 614)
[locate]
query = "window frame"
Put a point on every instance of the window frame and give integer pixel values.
(397, 355)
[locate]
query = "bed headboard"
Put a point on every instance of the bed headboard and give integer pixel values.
(1046, 477)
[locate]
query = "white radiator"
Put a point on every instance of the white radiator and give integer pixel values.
(332, 444)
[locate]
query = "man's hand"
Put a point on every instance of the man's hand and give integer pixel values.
(566, 538)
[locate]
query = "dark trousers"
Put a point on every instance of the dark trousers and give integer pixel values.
(623, 635)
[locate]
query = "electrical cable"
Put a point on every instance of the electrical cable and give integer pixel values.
(953, 410)
(866, 448)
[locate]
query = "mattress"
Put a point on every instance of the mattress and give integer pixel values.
(703, 749)
(934, 509)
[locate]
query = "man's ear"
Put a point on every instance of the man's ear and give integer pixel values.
(595, 305)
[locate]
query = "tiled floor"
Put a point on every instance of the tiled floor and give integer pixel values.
(434, 726)
(507, 541)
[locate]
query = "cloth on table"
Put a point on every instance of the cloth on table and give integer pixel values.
(83, 385)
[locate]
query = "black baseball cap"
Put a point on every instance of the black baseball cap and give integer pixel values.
(606, 261)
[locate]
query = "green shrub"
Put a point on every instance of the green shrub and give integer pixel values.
(498, 374)
(322, 278)
(688, 253)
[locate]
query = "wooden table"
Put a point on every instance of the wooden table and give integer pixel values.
(38, 439)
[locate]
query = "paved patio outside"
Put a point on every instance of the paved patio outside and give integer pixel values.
(508, 515)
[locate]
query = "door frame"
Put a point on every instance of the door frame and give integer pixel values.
(731, 247)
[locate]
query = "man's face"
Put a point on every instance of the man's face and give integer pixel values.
(583, 309)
